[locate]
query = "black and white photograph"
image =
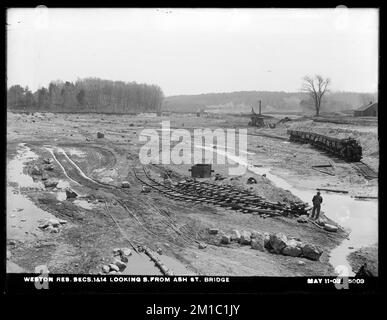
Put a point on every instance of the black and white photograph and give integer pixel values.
(205, 145)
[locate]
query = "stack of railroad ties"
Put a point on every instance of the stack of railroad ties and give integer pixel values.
(235, 199)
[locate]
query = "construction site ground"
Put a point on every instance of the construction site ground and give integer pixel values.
(98, 222)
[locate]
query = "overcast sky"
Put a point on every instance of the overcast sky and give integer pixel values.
(191, 51)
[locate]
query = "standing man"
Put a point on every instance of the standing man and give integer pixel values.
(317, 200)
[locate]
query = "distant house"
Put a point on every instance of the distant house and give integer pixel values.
(368, 110)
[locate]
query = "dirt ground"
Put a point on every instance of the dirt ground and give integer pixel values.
(97, 222)
(368, 255)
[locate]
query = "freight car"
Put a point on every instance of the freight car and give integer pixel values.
(349, 149)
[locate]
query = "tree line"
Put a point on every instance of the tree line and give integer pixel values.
(88, 95)
(273, 100)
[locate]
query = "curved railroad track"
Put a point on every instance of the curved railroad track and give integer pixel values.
(228, 197)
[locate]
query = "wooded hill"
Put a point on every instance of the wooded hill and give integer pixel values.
(87, 95)
(272, 101)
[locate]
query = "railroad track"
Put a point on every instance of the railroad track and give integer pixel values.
(74, 173)
(365, 170)
(228, 197)
(188, 190)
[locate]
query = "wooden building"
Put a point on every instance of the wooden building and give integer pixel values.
(368, 110)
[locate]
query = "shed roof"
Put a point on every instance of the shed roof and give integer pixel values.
(365, 107)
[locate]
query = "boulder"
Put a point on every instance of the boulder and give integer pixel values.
(53, 222)
(292, 249)
(125, 184)
(258, 241)
(51, 183)
(44, 176)
(113, 267)
(47, 160)
(159, 251)
(125, 252)
(225, 239)
(256, 234)
(36, 171)
(100, 135)
(41, 269)
(213, 231)
(266, 242)
(257, 244)
(278, 241)
(202, 245)
(235, 236)
(331, 228)
(70, 194)
(245, 237)
(120, 264)
(105, 268)
(124, 259)
(311, 252)
(44, 225)
(62, 221)
(116, 251)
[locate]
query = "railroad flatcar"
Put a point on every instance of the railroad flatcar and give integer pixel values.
(348, 149)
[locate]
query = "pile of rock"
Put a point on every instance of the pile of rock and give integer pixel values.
(119, 261)
(39, 170)
(275, 243)
(52, 225)
(48, 164)
(50, 183)
(280, 244)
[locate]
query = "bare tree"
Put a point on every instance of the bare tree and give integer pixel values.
(316, 87)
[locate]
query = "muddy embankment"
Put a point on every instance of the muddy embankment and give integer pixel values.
(365, 255)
